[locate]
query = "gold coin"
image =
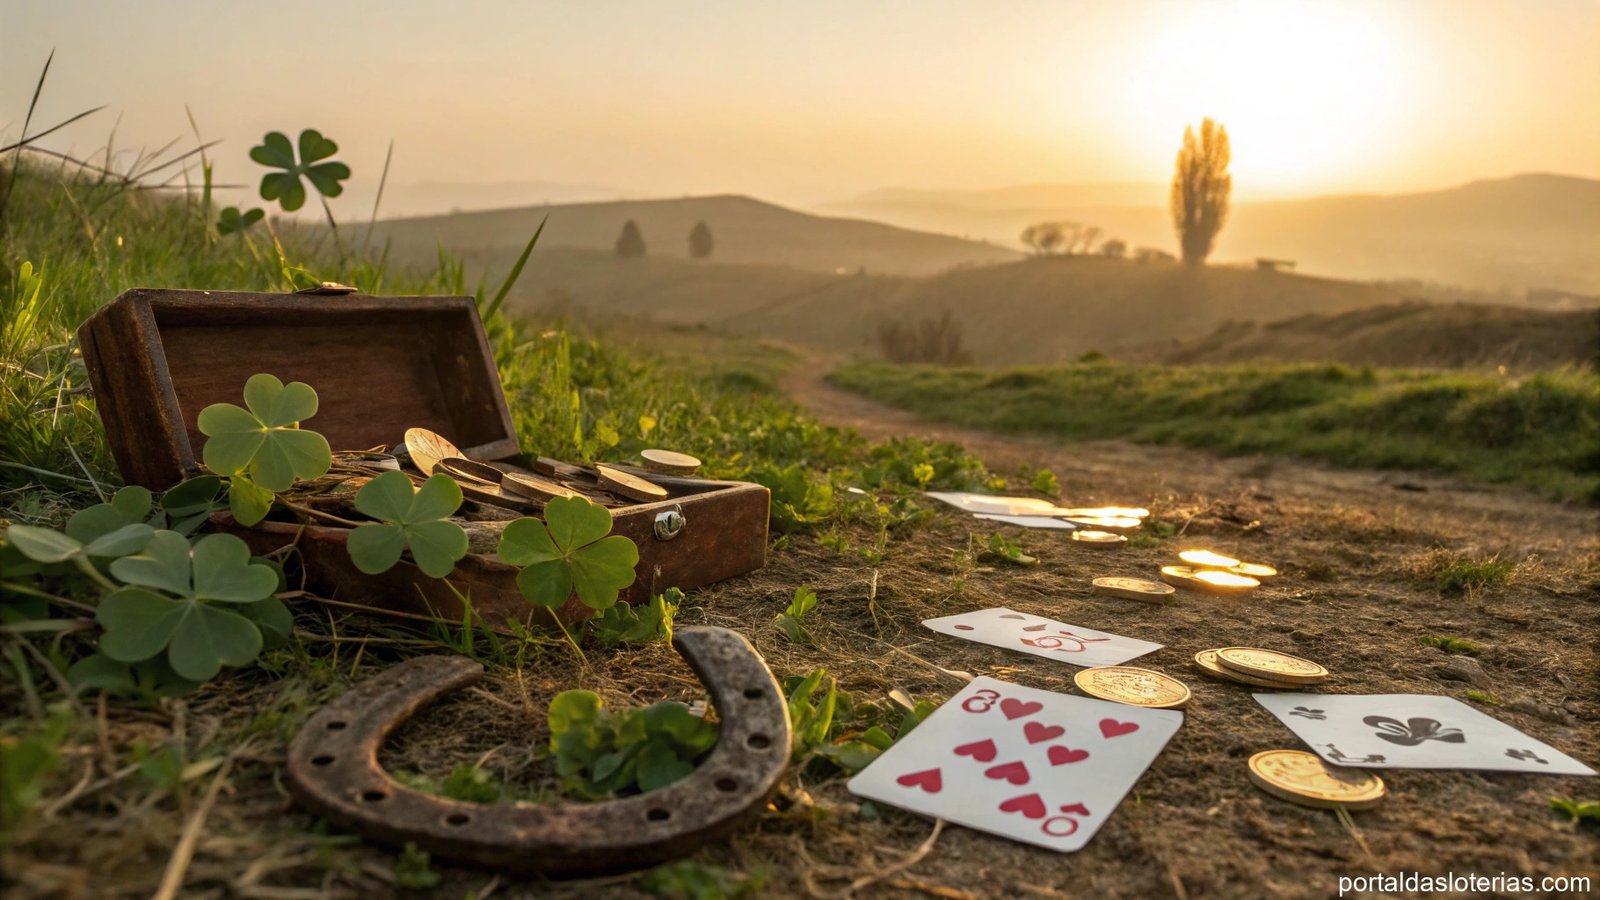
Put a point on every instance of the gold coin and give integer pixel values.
(629, 485)
(1254, 570)
(1210, 581)
(427, 448)
(534, 487)
(1107, 523)
(1099, 538)
(468, 470)
(1271, 664)
(1135, 687)
(1303, 778)
(668, 462)
(1133, 589)
(1206, 660)
(1205, 559)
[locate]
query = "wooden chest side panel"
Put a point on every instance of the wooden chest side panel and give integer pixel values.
(724, 535)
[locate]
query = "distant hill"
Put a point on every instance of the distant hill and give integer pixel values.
(1509, 234)
(1457, 335)
(744, 230)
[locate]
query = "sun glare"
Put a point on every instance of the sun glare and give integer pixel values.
(1309, 92)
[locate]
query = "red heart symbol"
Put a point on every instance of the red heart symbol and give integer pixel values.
(1034, 627)
(1016, 709)
(1112, 728)
(1061, 755)
(982, 751)
(964, 628)
(1035, 732)
(1014, 772)
(1030, 805)
(928, 780)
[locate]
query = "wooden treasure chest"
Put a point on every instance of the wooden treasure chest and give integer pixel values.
(381, 366)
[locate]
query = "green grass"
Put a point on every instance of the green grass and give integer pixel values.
(1450, 644)
(1541, 432)
(1463, 576)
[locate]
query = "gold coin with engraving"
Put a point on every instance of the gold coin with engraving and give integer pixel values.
(534, 487)
(427, 448)
(1205, 559)
(1133, 686)
(628, 485)
(1303, 778)
(1254, 570)
(1210, 581)
(1133, 589)
(1271, 664)
(1099, 538)
(1206, 661)
(668, 462)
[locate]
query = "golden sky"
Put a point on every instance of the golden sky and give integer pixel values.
(806, 103)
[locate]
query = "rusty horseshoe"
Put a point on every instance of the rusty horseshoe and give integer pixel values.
(334, 772)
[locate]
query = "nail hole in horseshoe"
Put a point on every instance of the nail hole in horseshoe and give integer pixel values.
(727, 785)
(373, 796)
(457, 819)
(323, 760)
(754, 693)
(658, 815)
(758, 741)
(336, 726)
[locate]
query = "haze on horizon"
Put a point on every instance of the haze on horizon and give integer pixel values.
(817, 104)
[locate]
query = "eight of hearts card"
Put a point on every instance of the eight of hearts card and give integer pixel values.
(1413, 731)
(1035, 766)
(1008, 628)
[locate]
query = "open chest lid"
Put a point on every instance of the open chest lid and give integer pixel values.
(379, 365)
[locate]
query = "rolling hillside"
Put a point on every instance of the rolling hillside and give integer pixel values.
(1512, 234)
(744, 230)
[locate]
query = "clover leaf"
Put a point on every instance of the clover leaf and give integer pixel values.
(284, 186)
(265, 442)
(187, 506)
(46, 545)
(414, 519)
(191, 602)
(231, 219)
(569, 550)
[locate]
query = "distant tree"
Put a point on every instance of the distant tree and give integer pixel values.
(929, 340)
(630, 244)
(1047, 238)
(1200, 189)
(1152, 255)
(1116, 248)
(1083, 240)
(700, 241)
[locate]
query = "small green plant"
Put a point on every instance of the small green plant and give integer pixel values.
(283, 185)
(415, 519)
(469, 784)
(1581, 811)
(413, 870)
(1010, 551)
(687, 879)
(798, 501)
(231, 220)
(600, 753)
(839, 730)
(1045, 482)
(570, 551)
(1450, 644)
(646, 623)
(1484, 697)
(789, 620)
(26, 761)
(1463, 576)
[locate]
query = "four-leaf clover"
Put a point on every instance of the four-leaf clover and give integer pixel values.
(284, 186)
(201, 604)
(265, 442)
(569, 550)
(414, 518)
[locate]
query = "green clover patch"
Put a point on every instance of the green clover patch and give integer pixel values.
(265, 442)
(231, 220)
(284, 186)
(200, 604)
(415, 519)
(569, 551)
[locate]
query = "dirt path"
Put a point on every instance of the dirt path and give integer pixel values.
(1359, 551)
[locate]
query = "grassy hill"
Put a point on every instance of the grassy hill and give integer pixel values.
(1457, 335)
(1526, 231)
(744, 230)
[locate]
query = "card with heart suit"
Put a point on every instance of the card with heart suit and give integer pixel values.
(1413, 731)
(1039, 636)
(1035, 766)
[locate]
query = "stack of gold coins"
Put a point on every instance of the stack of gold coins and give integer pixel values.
(1261, 668)
(1207, 561)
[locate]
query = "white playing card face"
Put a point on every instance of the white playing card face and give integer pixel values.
(1413, 731)
(992, 505)
(1029, 521)
(1035, 766)
(1039, 636)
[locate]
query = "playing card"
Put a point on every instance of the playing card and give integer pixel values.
(1039, 636)
(993, 505)
(1413, 731)
(1038, 767)
(1029, 521)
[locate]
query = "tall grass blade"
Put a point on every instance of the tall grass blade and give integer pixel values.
(515, 273)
